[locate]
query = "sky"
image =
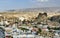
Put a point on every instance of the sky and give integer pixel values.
(22, 4)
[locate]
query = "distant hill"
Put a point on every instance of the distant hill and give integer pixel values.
(44, 9)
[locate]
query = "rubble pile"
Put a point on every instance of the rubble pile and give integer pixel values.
(41, 25)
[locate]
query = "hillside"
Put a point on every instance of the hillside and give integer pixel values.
(32, 12)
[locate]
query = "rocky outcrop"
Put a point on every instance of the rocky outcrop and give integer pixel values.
(41, 18)
(55, 18)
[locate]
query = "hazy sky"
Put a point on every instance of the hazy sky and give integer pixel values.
(19, 4)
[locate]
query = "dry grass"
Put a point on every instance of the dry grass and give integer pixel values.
(27, 15)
